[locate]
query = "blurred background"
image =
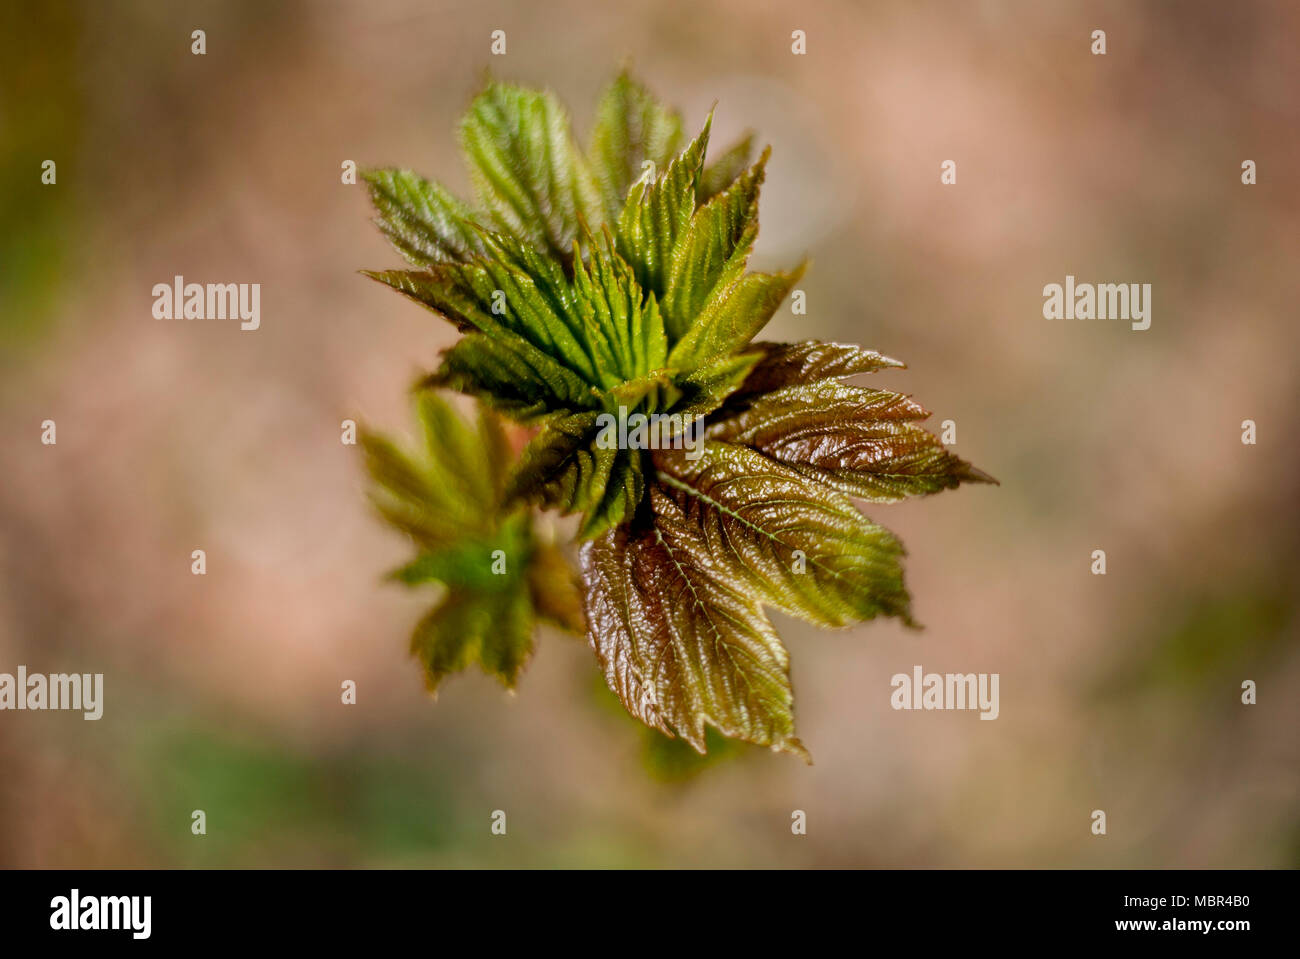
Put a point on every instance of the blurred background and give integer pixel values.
(222, 692)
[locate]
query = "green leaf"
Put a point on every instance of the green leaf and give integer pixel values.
(625, 330)
(722, 172)
(472, 561)
(632, 127)
(713, 250)
(423, 221)
(859, 441)
(504, 359)
(511, 375)
(794, 544)
(657, 212)
(456, 456)
(656, 390)
(494, 630)
(466, 564)
(707, 388)
(452, 482)
(455, 473)
(412, 498)
(495, 576)
(438, 289)
(515, 299)
(624, 489)
(563, 468)
(491, 297)
(527, 171)
(731, 318)
(679, 644)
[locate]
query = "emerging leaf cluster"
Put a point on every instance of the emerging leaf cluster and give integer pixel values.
(498, 576)
(614, 279)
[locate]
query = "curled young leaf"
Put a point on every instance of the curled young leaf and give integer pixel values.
(423, 221)
(530, 176)
(564, 468)
(657, 212)
(722, 172)
(622, 322)
(632, 128)
(713, 250)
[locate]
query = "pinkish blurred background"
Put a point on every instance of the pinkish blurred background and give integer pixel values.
(1119, 693)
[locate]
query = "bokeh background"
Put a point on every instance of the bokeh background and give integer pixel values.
(1118, 692)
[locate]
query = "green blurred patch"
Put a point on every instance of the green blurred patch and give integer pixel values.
(668, 760)
(1219, 636)
(41, 116)
(1291, 843)
(272, 804)
(675, 760)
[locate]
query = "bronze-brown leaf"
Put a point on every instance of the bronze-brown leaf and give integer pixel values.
(679, 644)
